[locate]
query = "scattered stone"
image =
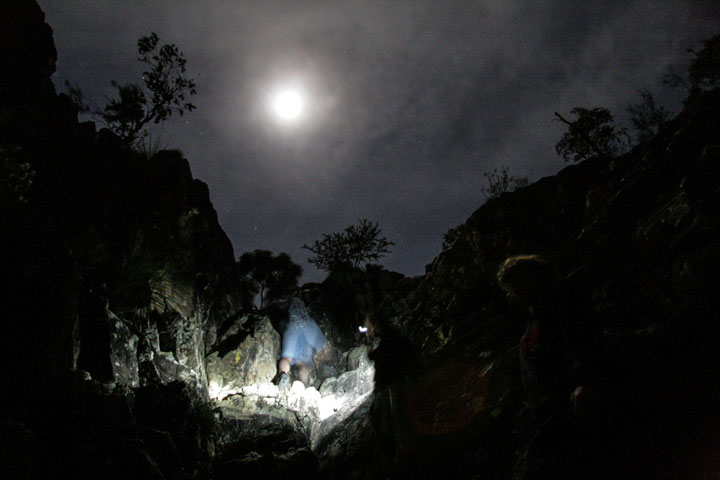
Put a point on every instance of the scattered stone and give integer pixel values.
(268, 390)
(328, 386)
(327, 406)
(297, 388)
(250, 390)
(355, 356)
(311, 394)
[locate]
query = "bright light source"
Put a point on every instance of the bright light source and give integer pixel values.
(362, 329)
(288, 104)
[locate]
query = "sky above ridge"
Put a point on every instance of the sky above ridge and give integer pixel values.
(314, 114)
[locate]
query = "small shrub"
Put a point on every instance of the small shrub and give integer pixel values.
(592, 134)
(356, 245)
(500, 182)
(164, 91)
(267, 275)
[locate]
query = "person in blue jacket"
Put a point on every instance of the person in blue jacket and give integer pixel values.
(301, 339)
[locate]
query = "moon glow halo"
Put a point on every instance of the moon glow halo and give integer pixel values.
(287, 105)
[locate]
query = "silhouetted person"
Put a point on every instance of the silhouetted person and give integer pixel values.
(548, 354)
(532, 281)
(394, 354)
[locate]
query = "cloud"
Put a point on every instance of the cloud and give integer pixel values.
(410, 101)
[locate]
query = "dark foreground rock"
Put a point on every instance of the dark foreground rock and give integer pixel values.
(84, 431)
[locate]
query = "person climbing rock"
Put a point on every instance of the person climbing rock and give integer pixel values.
(556, 360)
(300, 340)
(530, 281)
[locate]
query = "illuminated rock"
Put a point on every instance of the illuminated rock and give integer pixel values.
(327, 406)
(341, 397)
(268, 390)
(297, 388)
(356, 356)
(250, 390)
(251, 360)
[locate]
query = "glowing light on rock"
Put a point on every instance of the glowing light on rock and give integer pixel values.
(323, 409)
(297, 387)
(327, 406)
(214, 390)
(219, 392)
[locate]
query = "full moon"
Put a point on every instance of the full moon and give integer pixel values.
(288, 104)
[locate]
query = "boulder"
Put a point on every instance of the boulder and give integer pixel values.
(270, 444)
(340, 397)
(248, 357)
(123, 352)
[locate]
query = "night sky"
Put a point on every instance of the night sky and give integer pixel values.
(405, 103)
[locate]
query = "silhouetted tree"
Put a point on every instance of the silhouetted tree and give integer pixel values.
(163, 92)
(267, 275)
(452, 236)
(592, 134)
(675, 78)
(704, 71)
(647, 117)
(500, 182)
(356, 245)
(77, 96)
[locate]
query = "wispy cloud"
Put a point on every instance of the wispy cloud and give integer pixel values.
(409, 101)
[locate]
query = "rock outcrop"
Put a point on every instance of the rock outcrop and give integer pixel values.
(292, 424)
(115, 276)
(634, 241)
(245, 354)
(152, 271)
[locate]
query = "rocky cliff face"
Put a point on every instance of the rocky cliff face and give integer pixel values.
(153, 272)
(116, 276)
(635, 245)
